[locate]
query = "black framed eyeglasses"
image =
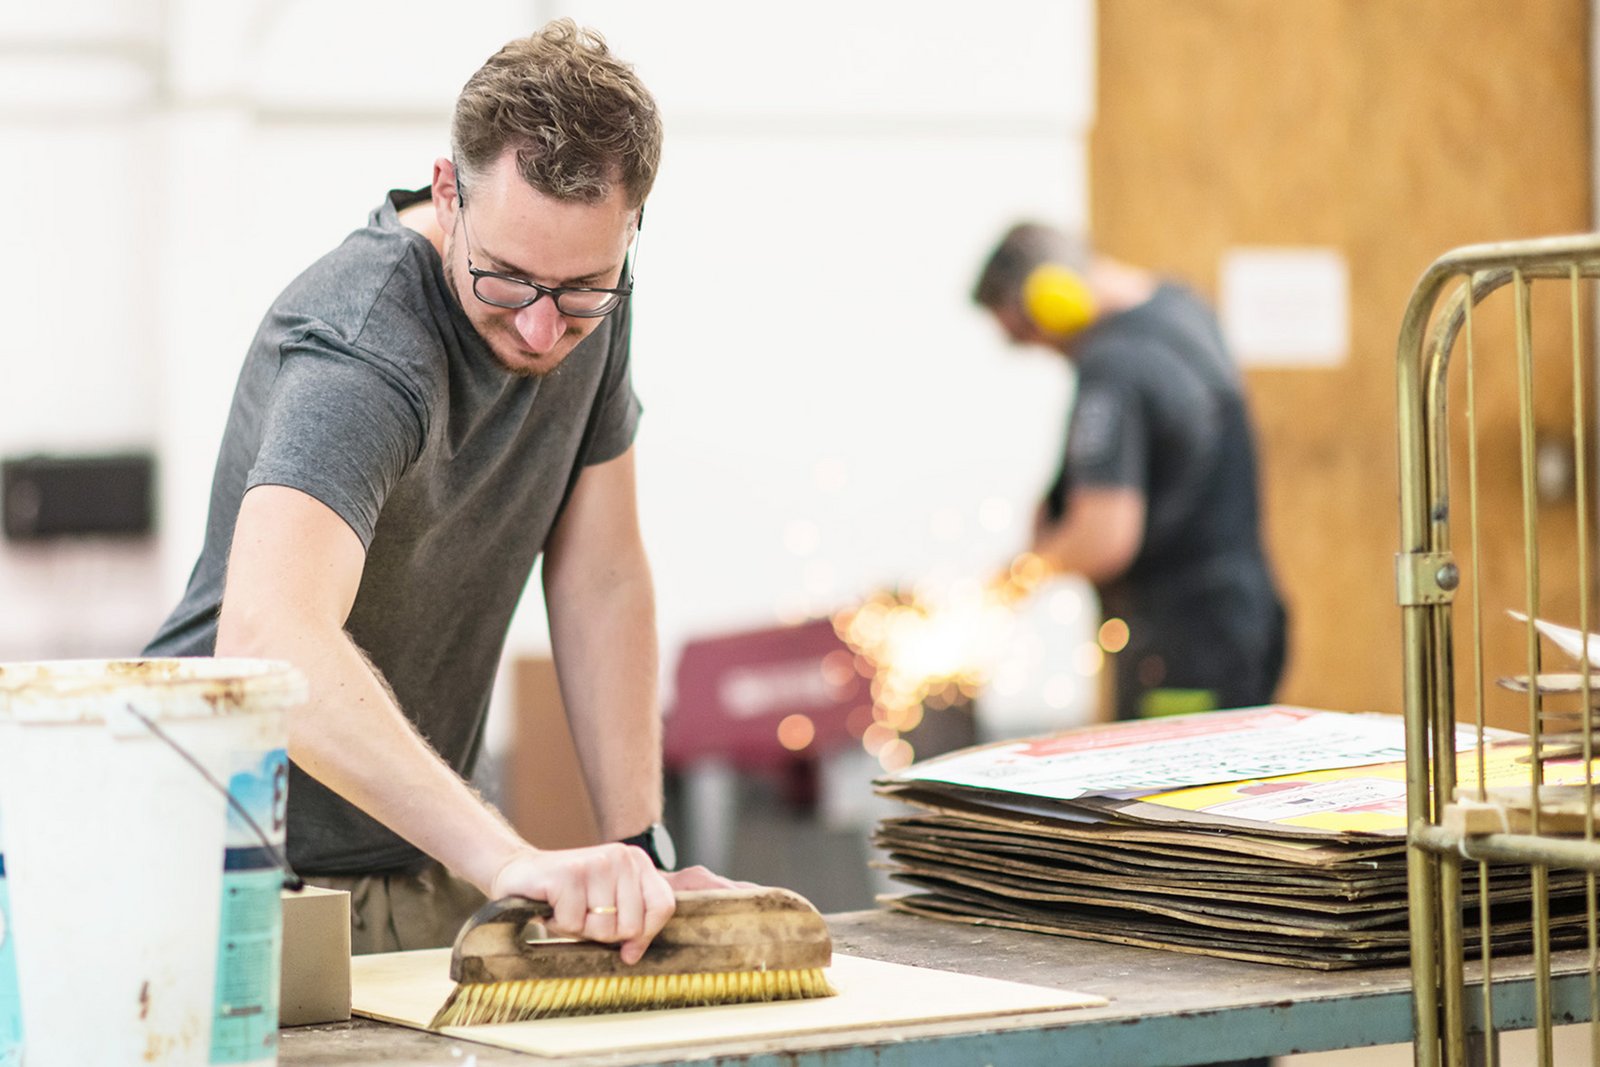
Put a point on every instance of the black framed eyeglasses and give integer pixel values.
(511, 292)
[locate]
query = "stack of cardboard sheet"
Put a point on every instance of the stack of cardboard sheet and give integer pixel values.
(1270, 834)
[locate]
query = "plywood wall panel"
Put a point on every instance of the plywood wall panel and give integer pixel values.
(1392, 132)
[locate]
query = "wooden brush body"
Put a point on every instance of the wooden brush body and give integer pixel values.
(720, 946)
(711, 930)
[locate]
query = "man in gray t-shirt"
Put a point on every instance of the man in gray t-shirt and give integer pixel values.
(1155, 500)
(423, 412)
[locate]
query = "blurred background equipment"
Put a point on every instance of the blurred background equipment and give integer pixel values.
(923, 654)
(79, 554)
(43, 497)
(776, 733)
(767, 698)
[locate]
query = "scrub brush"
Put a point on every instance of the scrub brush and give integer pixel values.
(721, 946)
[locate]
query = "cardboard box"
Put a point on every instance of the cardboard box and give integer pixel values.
(546, 797)
(315, 983)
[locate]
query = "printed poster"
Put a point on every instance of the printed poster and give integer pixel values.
(1356, 799)
(1130, 759)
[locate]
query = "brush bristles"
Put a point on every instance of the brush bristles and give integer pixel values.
(481, 1003)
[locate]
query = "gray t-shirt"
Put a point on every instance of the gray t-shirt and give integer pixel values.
(1160, 409)
(367, 388)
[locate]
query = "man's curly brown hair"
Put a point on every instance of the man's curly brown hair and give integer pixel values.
(578, 118)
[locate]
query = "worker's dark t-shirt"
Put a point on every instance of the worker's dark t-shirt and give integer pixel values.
(367, 388)
(1159, 409)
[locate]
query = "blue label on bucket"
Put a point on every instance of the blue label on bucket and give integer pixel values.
(262, 790)
(244, 1027)
(10, 994)
(10, 989)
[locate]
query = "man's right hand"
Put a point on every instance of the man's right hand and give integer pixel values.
(609, 893)
(602, 893)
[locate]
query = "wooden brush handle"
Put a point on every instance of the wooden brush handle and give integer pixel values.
(711, 931)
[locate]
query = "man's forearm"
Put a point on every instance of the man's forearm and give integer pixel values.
(1067, 550)
(607, 659)
(353, 738)
(1098, 536)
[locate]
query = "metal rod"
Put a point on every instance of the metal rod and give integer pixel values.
(1530, 520)
(1473, 526)
(1485, 913)
(1452, 943)
(1491, 1047)
(1580, 494)
(1540, 878)
(1566, 853)
(1451, 938)
(1452, 960)
(1416, 619)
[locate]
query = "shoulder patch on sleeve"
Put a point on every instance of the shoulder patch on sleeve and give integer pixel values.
(1095, 420)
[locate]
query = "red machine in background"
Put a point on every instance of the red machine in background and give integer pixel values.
(762, 699)
(778, 700)
(801, 709)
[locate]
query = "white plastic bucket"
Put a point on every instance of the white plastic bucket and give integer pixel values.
(140, 919)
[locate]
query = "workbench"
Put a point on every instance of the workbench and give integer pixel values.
(1167, 1009)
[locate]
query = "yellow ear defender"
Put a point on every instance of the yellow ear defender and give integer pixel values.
(1057, 300)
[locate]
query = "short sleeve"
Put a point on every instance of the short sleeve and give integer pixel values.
(1106, 442)
(340, 426)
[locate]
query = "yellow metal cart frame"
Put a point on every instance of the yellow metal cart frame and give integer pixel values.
(1438, 325)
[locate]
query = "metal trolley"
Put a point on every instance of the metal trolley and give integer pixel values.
(1461, 833)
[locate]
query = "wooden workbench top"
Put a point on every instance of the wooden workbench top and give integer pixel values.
(1166, 1007)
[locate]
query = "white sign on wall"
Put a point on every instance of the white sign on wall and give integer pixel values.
(1286, 307)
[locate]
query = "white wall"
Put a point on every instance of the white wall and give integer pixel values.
(77, 98)
(825, 412)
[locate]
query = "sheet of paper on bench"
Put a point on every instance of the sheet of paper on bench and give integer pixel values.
(1130, 759)
(1566, 638)
(408, 987)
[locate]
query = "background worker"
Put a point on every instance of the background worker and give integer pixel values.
(423, 412)
(1155, 501)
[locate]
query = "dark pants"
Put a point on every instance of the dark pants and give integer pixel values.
(1200, 657)
(395, 911)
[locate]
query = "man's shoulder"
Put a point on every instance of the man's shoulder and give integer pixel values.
(377, 292)
(1164, 334)
(1168, 303)
(348, 279)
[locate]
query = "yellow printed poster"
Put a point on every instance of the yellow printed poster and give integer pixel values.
(1368, 799)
